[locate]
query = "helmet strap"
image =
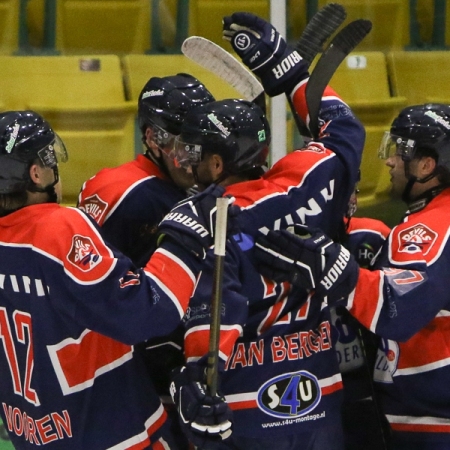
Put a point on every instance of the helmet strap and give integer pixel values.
(407, 191)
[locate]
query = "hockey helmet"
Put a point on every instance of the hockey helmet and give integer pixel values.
(424, 127)
(25, 136)
(163, 103)
(237, 130)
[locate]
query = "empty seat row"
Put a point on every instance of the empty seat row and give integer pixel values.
(377, 85)
(113, 26)
(159, 26)
(91, 101)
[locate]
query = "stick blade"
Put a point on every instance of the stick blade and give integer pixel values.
(217, 60)
(319, 29)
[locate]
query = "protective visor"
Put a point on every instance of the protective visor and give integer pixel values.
(162, 138)
(185, 154)
(392, 145)
(54, 153)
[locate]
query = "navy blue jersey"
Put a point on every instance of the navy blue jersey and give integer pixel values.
(128, 202)
(281, 375)
(406, 301)
(71, 310)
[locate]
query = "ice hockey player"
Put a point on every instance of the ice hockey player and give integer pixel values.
(72, 307)
(130, 200)
(280, 374)
(404, 299)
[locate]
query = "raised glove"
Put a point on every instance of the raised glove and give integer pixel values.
(264, 51)
(191, 222)
(307, 258)
(205, 419)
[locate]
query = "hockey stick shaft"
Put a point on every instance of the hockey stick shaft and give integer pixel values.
(341, 45)
(317, 31)
(216, 300)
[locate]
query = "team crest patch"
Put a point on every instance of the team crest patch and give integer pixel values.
(95, 207)
(416, 239)
(83, 254)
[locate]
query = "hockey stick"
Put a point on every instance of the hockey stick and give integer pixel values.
(318, 30)
(217, 60)
(216, 300)
(341, 45)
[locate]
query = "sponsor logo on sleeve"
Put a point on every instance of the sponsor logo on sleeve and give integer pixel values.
(289, 395)
(83, 253)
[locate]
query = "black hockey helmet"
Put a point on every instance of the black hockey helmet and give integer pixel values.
(165, 101)
(420, 127)
(25, 137)
(237, 130)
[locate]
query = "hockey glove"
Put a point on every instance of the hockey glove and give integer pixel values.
(264, 51)
(191, 222)
(307, 258)
(205, 420)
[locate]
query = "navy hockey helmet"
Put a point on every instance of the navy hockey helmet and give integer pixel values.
(237, 130)
(25, 137)
(420, 127)
(165, 101)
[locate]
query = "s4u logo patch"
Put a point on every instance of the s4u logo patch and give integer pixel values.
(289, 395)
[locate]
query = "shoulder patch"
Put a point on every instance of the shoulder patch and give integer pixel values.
(83, 253)
(314, 146)
(95, 207)
(416, 239)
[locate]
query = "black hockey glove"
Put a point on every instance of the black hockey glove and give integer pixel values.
(205, 420)
(264, 51)
(307, 258)
(191, 222)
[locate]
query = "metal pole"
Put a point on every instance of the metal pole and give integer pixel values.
(278, 108)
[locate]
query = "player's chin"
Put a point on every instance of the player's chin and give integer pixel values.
(182, 179)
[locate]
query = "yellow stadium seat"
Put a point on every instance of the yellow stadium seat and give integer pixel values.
(138, 69)
(205, 16)
(362, 82)
(390, 21)
(98, 26)
(10, 26)
(420, 76)
(83, 99)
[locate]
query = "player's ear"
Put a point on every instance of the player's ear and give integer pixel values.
(35, 173)
(216, 164)
(151, 143)
(427, 165)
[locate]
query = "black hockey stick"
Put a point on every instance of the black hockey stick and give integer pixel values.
(341, 45)
(217, 60)
(317, 31)
(220, 235)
